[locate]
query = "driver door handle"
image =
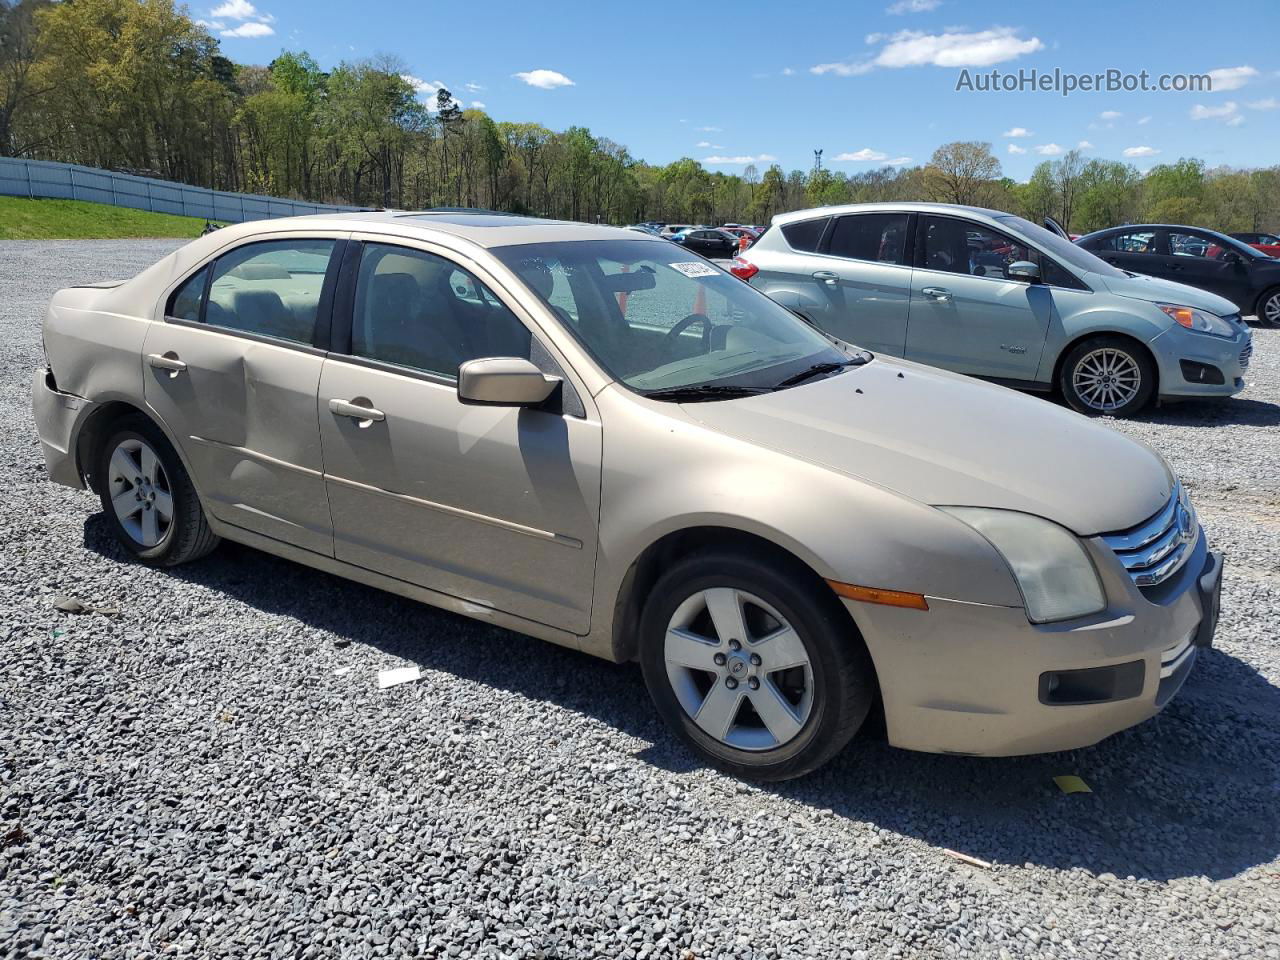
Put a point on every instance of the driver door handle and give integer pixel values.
(941, 294)
(826, 276)
(345, 408)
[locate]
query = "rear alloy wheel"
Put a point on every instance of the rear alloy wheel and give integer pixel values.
(1107, 376)
(752, 661)
(148, 496)
(1268, 312)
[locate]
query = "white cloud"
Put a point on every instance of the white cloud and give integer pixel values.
(1236, 121)
(743, 160)
(236, 10)
(951, 48)
(473, 87)
(1144, 121)
(477, 105)
(912, 6)
(709, 129)
(252, 28)
(1201, 112)
(211, 24)
(702, 144)
(1226, 78)
(1014, 148)
(1048, 149)
(1110, 115)
(867, 155)
(1084, 145)
(1140, 151)
(788, 72)
(544, 79)
(1016, 132)
(1271, 103)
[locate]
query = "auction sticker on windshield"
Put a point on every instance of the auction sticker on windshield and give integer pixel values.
(695, 269)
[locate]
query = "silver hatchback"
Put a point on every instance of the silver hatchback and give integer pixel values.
(992, 295)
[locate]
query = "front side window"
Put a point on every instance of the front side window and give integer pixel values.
(961, 246)
(657, 319)
(271, 288)
(805, 235)
(879, 237)
(1188, 244)
(417, 310)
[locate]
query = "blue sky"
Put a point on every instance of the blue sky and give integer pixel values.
(868, 82)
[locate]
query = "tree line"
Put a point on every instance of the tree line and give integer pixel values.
(138, 86)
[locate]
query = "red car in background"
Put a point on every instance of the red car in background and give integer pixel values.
(1268, 243)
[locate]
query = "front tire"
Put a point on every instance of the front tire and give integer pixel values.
(1107, 376)
(754, 664)
(148, 497)
(1268, 310)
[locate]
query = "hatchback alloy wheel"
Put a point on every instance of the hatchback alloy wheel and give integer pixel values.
(1107, 379)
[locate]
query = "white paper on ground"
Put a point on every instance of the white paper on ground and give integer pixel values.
(389, 678)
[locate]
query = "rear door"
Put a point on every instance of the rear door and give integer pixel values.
(966, 313)
(495, 505)
(863, 274)
(233, 371)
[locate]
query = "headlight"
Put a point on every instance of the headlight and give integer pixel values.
(1198, 320)
(1055, 575)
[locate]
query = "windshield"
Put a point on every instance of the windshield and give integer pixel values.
(1063, 250)
(659, 318)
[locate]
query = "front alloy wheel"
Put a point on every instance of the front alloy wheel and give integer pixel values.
(1108, 376)
(1269, 309)
(753, 662)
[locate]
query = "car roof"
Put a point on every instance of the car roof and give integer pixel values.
(482, 228)
(905, 207)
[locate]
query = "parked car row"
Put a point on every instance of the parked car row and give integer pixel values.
(597, 437)
(995, 296)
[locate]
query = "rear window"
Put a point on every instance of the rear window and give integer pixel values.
(805, 235)
(880, 237)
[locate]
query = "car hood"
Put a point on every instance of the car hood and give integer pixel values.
(1156, 290)
(948, 440)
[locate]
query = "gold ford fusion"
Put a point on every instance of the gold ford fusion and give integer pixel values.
(597, 438)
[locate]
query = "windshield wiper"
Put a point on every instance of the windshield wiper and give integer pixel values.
(703, 392)
(830, 366)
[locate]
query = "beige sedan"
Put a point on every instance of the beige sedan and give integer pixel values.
(597, 438)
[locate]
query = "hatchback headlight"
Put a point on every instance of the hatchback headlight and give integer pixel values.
(1198, 320)
(1054, 573)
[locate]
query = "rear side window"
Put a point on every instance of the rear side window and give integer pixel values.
(271, 289)
(879, 237)
(185, 302)
(805, 235)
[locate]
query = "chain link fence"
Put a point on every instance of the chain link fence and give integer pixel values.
(68, 181)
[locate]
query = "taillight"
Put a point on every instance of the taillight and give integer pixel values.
(743, 269)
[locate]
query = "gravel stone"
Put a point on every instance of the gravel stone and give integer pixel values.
(214, 773)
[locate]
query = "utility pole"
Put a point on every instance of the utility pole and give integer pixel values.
(817, 161)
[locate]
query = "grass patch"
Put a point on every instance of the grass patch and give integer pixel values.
(23, 219)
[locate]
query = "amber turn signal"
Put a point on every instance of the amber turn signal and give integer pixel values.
(890, 598)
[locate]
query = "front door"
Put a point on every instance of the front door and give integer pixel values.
(966, 313)
(233, 371)
(1199, 260)
(495, 505)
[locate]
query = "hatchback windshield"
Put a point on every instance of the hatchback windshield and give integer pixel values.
(1064, 250)
(658, 318)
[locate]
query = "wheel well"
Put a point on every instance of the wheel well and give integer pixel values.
(92, 433)
(1111, 334)
(646, 569)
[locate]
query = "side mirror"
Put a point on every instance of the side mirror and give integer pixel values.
(1023, 270)
(504, 382)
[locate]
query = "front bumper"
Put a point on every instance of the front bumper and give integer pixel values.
(976, 679)
(1184, 358)
(58, 416)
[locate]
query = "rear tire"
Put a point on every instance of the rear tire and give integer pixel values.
(1107, 376)
(780, 679)
(1267, 312)
(148, 497)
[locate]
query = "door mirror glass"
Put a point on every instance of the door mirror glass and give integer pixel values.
(504, 382)
(1023, 270)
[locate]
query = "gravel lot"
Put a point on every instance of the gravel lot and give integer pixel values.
(215, 773)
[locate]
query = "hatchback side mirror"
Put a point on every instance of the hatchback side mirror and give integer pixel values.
(504, 382)
(1023, 270)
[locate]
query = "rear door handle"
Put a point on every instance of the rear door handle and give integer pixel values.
(941, 294)
(354, 410)
(167, 361)
(826, 276)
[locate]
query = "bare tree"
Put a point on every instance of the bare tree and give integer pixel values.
(961, 172)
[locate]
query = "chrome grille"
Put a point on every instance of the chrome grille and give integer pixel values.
(1246, 353)
(1154, 551)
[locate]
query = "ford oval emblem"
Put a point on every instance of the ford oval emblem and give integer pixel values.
(1186, 528)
